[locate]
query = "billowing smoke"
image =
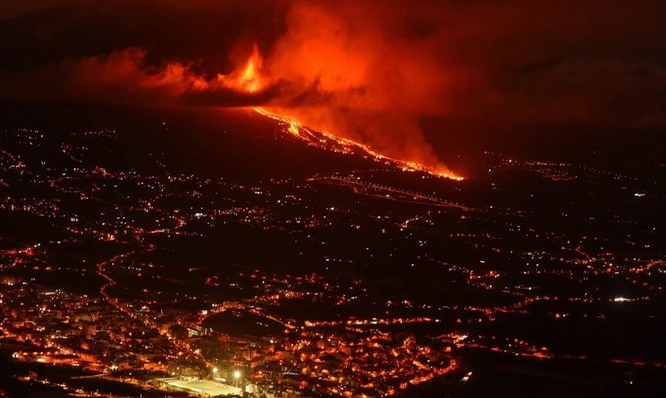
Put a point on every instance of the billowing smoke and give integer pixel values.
(121, 76)
(364, 71)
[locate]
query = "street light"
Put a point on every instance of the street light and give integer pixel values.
(215, 370)
(237, 375)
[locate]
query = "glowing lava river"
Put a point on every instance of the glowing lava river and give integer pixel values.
(344, 145)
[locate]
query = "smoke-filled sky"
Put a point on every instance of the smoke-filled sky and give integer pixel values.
(365, 69)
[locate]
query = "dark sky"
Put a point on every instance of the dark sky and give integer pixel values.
(368, 69)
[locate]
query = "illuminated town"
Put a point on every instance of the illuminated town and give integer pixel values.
(190, 285)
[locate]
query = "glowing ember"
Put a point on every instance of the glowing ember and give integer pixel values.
(348, 146)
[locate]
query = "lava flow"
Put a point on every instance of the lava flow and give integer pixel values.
(347, 146)
(250, 79)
